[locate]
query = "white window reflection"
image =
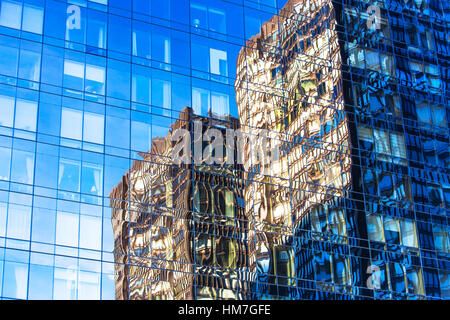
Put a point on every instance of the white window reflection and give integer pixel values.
(71, 123)
(16, 280)
(77, 125)
(67, 229)
(372, 60)
(387, 64)
(409, 235)
(95, 79)
(73, 75)
(337, 222)
(218, 62)
(22, 167)
(220, 104)
(22, 114)
(398, 145)
(356, 58)
(200, 101)
(382, 142)
(33, 18)
(30, 63)
(3, 212)
(19, 222)
(90, 232)
(65, 284)
(94, 125)
(208, 18)
(26, 115)
(88, 286)
(205, 102)
(386, 144)
(5, 161)
(11, 16)
(7, 111)
(392, 230)
(88, 77)
(375, 228)
(92, 179)
(74, 69)
(69, 175)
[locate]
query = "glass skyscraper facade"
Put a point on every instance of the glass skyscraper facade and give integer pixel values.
(212, 149)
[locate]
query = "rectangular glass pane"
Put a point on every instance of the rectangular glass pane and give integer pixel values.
(11, 14)
(71, 123)
(92, 179)
(5, 163)
(7, 111)
(22, 167)
(90, 232)
(67, 229)
(69, 175)
(392, 230)
(409, 235)
(95, 79)
(94, 126)
(19, 222)
(40, 283)
(15, 282)
(33, 18)
(375, 228)
(26, 115)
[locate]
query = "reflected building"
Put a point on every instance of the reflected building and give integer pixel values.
(323, 205)
(289, 83)
(327, 213)
(180, 230)
(341, 111)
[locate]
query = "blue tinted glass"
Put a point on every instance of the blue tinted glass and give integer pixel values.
(40, 282)
(16, 280)
(119, 34)
(331, 116)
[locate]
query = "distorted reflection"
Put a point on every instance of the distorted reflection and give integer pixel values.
(180, 230)
(286, 228)
(296, 95)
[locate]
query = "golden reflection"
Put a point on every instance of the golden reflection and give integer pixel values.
(192, 231)
(179, 230)
(298, 97)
